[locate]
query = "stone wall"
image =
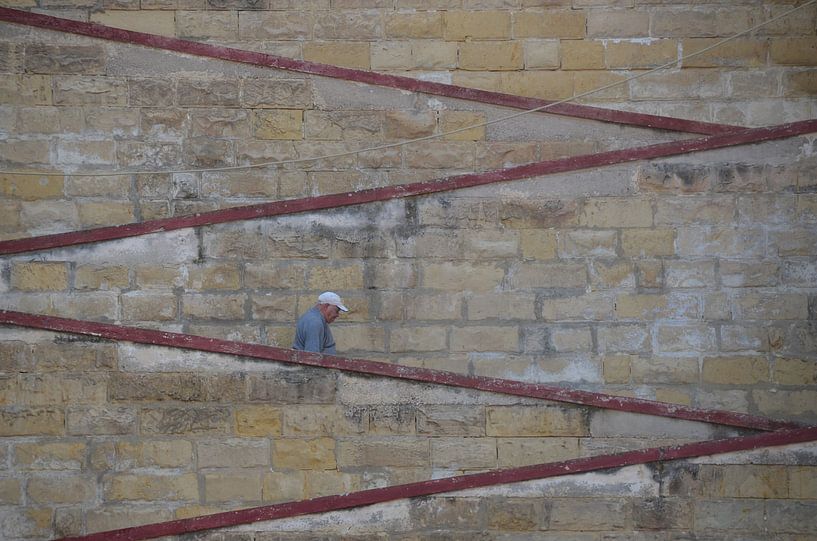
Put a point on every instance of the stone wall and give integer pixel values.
(689, 280)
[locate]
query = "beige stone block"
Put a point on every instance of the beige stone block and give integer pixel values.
(599, 85)
(440, 155)
(272, 25)
(705, 21)
(11, 491)
(283, 487)
(464, 25)
(26, 90)
(612, 274)
(348, 24)
(404, 339)
(655, 369)
(462, 454)
(541, 54)
(582, 55)
(538, 244)
(239, 486)
(691, 83)
(616, 368)
(794, 51)
(443, 420)
(299, 454)
(10, 215)
(61, 490)
(688, 338)
(502, 306)
(207, 24)
(537, 213)
(323, 421)
(623, 339)
(50, 456)
(342, 125)
(379, 452)
(514, 421)
(581, 243)
(274, 307)
(89, 90)
(461, 276)
(788, 371)
(342, 277)
(746, 481)
(417, 25)
(156, 454)
(99, 277)
(482, 80)
(736, 53)
(548, 275)
(25, 153)
(409, 124)
(752, 305)
(278, 124)
(656, 306)
(451, 121)
(213, 306)
(800, 83)
(802, 482)
(215, 276)
(39, 276)
(491, 56)
(546, 85)
(233, 452)
(801, 402)
(345, 54)
(436, 306)
(514, 452)
(735, 370)
(82, 152)
(31, 187)
(434, 55)
(258, 421)
(566, 24)
(153, 22)
(695, 210)
(640, 55)
(114, 187)
(392, 55)
(616, 212)
(160, 276)
(134, 487)
(648, 242)
(592, 306)
(329, 483)
(485, 339)
(617, 23)
(142, 306)
(92, 214)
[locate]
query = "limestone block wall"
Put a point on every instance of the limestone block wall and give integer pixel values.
(689, 280)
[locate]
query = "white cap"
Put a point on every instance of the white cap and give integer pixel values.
(332, 298)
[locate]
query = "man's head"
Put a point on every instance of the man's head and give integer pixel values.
(330, 306)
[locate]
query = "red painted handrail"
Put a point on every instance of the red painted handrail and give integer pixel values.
(362, 366)
(292, 206)
(450, 484)
(355, 75)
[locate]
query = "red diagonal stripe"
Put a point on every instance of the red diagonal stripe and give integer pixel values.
(292, 206)
(450, 484)
(355, 75)
(376, 368)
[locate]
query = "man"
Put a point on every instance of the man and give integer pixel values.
(312, 332)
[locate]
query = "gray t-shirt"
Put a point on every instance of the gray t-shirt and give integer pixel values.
(312, 333)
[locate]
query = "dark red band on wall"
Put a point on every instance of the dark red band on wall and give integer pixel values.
(450, 484)
(376, 368)
(292, 206)
(355, 75)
